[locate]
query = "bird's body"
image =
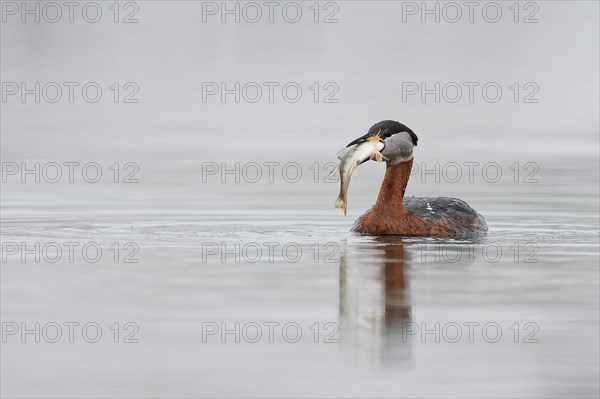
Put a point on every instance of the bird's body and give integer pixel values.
(395, 214)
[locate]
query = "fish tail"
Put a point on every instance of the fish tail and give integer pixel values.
(341, 203)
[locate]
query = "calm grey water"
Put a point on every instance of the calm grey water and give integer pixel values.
(248, 283)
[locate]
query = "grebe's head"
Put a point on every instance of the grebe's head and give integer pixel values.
(399, 140)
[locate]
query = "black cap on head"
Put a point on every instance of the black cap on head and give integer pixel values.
(386, 129)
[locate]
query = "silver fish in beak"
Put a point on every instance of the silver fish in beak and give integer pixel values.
(350, 159)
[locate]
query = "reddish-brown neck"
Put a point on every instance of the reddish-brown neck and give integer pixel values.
(393, 187)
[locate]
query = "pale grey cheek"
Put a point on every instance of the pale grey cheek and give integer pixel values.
(398, 155)
(398, 148)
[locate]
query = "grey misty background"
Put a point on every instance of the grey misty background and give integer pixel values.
(170, 212)
(369, 53)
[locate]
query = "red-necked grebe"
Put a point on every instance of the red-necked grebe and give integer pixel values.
(393, 214)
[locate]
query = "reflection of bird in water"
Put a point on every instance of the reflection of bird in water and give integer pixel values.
(394, 214)
(375, 302)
